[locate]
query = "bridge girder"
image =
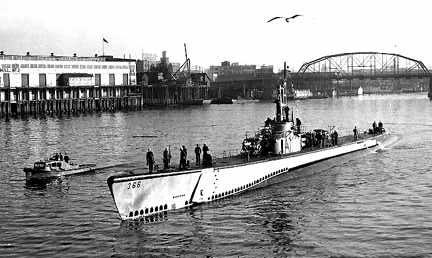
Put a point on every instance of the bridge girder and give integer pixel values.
(363, 64)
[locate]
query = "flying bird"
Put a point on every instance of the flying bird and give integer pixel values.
(286, 18)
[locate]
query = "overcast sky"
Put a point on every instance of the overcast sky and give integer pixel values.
(218, 30)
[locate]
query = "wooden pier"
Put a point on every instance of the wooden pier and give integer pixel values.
(24, 101)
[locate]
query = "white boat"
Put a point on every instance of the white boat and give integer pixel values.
(274, 151)
(56, 166)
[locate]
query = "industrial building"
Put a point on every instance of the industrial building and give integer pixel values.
(234, 71)
(42, 71)
(35, 84)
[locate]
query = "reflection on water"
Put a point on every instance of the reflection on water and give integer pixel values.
(362, 205)
(43, 184)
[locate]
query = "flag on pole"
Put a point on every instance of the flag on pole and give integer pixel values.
(104, 40)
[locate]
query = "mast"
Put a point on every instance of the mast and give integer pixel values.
(281, 99)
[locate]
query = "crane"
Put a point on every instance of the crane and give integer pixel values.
(185, 65)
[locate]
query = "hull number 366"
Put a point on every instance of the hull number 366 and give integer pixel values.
(134, 185)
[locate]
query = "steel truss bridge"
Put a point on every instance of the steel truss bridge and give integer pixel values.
(346, 72)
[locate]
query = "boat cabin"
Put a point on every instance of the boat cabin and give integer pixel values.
(53, 165)
(39, 165)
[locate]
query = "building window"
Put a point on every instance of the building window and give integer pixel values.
(58, 66)
(41, 66)
(6, 80)
(104, 67)
(97, 67)
(98, 79)
(125, 79)
(111, 67)
(66, 66)
(75, 66)
(24, 79)
(82, 67)
(111, 79)
(33, 65)
(24, 65)
(89, 66)
(50, 66)
(42, 80)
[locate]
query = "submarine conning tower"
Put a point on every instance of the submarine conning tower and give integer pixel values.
(282, 129)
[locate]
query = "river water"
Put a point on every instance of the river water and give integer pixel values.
(371, 204)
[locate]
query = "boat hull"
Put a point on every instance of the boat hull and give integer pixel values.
(38, 175)
(147, 194)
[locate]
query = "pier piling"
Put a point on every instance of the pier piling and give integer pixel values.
(62, 100)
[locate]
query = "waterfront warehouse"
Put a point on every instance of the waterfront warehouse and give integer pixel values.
(35, 84)
(29, 71)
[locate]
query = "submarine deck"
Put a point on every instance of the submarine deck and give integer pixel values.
(242, 159)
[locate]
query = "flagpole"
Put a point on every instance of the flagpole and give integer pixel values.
(103, 47)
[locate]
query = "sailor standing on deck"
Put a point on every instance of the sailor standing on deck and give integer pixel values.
(298, 124)
(205, 148)
(198, 155)
(183, 157)
(355, 133)
(319, 138)
(150, 160)
(166, 158)
(207, 158)
(335, 137)
(286, 109)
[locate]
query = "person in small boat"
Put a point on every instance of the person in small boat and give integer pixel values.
(198, 155)
(166, 158)
(374, 127)
(380, 127)
(150, 160)
(355, 131)
(55, 156)
(66, 158)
